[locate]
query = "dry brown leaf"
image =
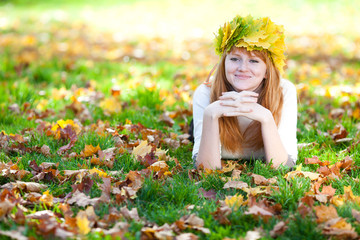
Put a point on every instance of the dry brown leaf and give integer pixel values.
(325, 213)
(261, 180)
(221, 214)
(356, 214)
(236, 185)
(5, 207)
(130, 214)
(340, 228)
(186, 236)
(14, 234)
(45, 214)
(328, 190)
(25, 186)
(278, 229)
(81, 199)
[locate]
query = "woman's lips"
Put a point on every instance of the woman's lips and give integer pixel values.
(240, 76)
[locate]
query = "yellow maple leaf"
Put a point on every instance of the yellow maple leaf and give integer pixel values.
(99, 172)
(348, 194)
(47, 198)
(82, 223)
(234, 201)
(111, 105)
(62, 124)
(142, 149)
(89, 150)
(337, 201)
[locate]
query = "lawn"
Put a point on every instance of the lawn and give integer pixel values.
(95, 107)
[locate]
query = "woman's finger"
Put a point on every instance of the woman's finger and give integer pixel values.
(243, 94)
(237, 113)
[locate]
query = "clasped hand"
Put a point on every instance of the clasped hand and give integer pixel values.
(238, 104)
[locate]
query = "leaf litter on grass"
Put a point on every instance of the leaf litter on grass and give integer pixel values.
(75, 102)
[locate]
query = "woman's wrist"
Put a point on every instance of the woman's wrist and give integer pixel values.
(267, 118)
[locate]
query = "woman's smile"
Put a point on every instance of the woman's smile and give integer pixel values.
(243, 70)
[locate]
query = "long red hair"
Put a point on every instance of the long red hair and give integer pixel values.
(270, 96)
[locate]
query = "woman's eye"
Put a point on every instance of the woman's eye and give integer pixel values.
(233, 59)
(254, 61)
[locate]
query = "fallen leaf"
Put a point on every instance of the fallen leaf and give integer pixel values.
(211, 194)
(234, 201)
(221, 214)
(325, 213)
(235, 184)
(278, 229)
(82, 222)
(89, 150)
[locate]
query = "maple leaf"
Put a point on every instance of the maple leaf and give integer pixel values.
(235, 201)
(236, 185)
(89, 150)
(62, 124)
(5, 207)
(316, 160)
(25, 186)
(98, 172)
(82, 222)
(47, 198)
(259, 211)
(290, 175)
(111, 105)
(130, 214)
(325, 213)
(211, 194)
(278, 229)
(221, 214)
(260, 180)
(340, 228)
(81, 200)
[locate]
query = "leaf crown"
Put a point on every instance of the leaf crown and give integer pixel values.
(253, 34)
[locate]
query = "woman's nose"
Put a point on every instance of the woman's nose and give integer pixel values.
(242, 66)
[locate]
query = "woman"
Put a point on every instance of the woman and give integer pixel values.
(247, 111)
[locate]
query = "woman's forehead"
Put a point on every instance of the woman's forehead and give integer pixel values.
(239, 51)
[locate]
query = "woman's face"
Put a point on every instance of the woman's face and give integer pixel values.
(244, 70)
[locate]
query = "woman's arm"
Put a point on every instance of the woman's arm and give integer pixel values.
(209, 150)
(273, 146)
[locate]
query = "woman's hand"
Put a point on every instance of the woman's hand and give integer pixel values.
(243, 104)
(232, 104)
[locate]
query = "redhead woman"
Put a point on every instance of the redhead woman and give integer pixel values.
(247, 110)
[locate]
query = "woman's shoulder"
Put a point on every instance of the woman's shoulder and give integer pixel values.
(287, 86)
(202, 91)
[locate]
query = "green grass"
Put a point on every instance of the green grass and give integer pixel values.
(150, 86)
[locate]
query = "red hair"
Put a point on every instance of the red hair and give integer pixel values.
(270, 97)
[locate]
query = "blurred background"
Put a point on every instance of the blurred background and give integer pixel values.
(163, 45)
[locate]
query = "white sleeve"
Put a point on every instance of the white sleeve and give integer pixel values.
(288, 123)
(201, 100)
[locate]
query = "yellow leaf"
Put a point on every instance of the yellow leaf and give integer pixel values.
(62, 124)
(337, 201)
(99, 172)
(342, 224)
(290, 175)
(159, 166)
(235, 201)
(111, 105)
(82, 223)
(89, 150)
(47, 198)
(348, 194)
(142, 149)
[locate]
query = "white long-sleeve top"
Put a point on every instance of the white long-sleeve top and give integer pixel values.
(286, 127)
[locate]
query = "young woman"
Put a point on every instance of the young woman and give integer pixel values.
(247, 110)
